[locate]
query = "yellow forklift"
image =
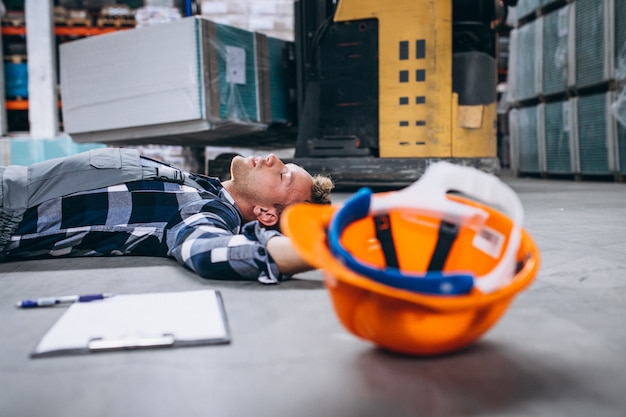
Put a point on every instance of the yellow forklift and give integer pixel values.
(385, 88)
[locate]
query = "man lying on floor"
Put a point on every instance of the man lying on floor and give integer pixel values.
(113, 202)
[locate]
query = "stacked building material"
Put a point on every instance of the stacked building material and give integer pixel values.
(189, 80)
(574, 55)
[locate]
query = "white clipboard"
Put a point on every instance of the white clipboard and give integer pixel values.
(138, 321)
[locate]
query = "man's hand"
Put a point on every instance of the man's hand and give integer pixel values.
(287, 259)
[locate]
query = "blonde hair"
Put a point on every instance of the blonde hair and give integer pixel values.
(320, 191)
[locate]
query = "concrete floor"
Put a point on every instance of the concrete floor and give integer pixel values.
(560, 350)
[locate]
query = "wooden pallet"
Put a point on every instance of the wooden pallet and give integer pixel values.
(15, 59)
(74, 22)
(116, 21)
(15, 21)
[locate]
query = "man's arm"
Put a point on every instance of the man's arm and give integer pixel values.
(285, 256)
(210, 242)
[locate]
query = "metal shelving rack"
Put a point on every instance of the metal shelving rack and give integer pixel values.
(43, 101)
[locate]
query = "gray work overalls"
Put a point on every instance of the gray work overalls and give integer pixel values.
(23, 187)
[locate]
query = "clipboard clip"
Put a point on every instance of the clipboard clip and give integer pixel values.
(100, 344)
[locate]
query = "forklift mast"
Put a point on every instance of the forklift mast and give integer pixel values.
(396, 79)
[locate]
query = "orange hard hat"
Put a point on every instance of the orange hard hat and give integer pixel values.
(420, 270)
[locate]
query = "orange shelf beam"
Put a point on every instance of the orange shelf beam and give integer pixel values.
(16, 104)
(86, 31)
(65, 30)
(19, 104)
(14, 30)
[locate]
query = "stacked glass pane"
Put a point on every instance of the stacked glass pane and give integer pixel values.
(591, 43)
(556, 129)
(555, 51)
(593, 135)
(528, 139)
(526, 7)
(524, 70)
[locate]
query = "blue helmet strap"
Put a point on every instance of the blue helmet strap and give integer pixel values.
(384, 236)
(447, 235)
(433, 282)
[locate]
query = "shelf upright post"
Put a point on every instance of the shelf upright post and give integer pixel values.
(42, 80)
(3, 109)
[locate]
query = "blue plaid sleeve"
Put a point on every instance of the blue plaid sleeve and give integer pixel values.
(214, 245)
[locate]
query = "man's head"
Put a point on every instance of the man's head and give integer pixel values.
(263, 187)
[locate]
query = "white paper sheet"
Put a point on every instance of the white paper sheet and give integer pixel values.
(191, 317)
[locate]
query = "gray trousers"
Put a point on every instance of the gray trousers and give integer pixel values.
(23, 187)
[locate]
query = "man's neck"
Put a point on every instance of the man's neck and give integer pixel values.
(227, 185)
(244, 208)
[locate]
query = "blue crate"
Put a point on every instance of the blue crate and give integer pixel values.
(16, 80)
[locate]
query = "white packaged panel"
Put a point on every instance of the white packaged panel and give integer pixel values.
(527, 154)
(525, 61)
(186, 80)
(555, 41)
(595, 134)
(594, 59)
(556, 128)
(138, 77)
(525, 8)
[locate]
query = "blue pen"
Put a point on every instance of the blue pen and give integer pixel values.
(66, 299)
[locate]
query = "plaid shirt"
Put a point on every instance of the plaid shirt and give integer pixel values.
(202, 230)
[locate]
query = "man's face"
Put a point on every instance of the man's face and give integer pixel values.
(268, 181)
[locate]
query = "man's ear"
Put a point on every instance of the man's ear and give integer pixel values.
(267, 216)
